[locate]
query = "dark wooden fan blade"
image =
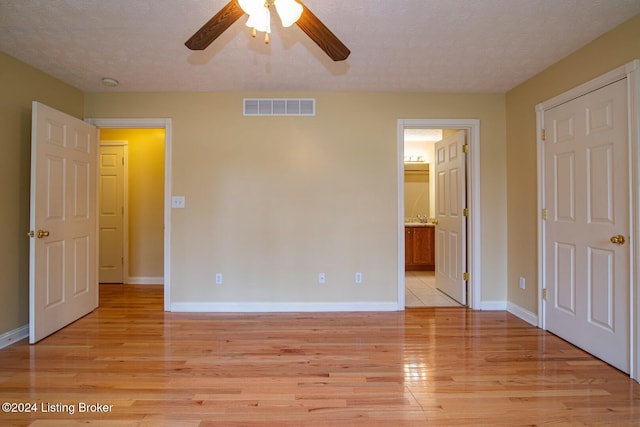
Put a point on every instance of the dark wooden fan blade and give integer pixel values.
(215, 26)
(322, 36)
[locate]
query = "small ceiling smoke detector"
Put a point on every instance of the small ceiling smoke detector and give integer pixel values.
(109, 82)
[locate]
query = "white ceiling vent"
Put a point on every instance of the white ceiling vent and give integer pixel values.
(279, 106)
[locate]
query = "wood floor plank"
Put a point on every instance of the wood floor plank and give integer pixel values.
(422, 367)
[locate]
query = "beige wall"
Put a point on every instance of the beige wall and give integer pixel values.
(600, 56)
(146, 199)
(19, 85)
(273, 201)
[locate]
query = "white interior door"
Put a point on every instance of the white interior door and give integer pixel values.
(587, 201)
(451, 227)
(111, 214)
(63, 280)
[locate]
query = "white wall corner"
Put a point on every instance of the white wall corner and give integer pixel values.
(12, 337)
(523, 314)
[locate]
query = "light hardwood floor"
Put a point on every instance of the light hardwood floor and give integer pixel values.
(422, 367)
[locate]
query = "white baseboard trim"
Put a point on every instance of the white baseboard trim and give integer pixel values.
(520, 312)
(14, 336)
(512, 308)
(493, 305)
(280, 307)
(142, 280)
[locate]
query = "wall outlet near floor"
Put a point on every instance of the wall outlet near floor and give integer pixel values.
(218, 278)
(522, 282)
(322, 278)
(358, 278)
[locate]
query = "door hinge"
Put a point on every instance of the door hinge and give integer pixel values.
(465, 212)
(544, 293)
(123, 161)
(544, 214)
(544, 134)
(465, 276)
(465, 148)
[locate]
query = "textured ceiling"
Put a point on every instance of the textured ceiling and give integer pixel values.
(396, 45)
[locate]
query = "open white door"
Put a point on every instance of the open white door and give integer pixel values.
(450, 207)
(587, 226)
(63, 279)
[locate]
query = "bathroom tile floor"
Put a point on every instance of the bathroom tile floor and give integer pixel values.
(420, 291)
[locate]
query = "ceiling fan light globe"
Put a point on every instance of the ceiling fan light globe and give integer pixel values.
(289, 11)
(260, 20)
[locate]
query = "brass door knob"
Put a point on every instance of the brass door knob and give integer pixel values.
(618, 240)
(42, 233)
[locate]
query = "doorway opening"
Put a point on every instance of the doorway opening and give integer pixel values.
(131, 195)
(471, 183)
(420, 199)
(109, 129)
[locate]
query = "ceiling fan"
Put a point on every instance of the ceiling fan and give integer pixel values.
(308, 22)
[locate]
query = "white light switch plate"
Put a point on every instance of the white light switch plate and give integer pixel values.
(177, 202)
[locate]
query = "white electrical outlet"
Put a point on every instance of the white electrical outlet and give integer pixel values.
(218, 278)
(322, 278)
(522, 283)
(358, 278)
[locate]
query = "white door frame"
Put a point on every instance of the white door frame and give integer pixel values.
(153, 124)
(630, 71)
(125, 195)
(474, 264)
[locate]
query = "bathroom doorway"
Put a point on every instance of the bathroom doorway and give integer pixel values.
(417, 286)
